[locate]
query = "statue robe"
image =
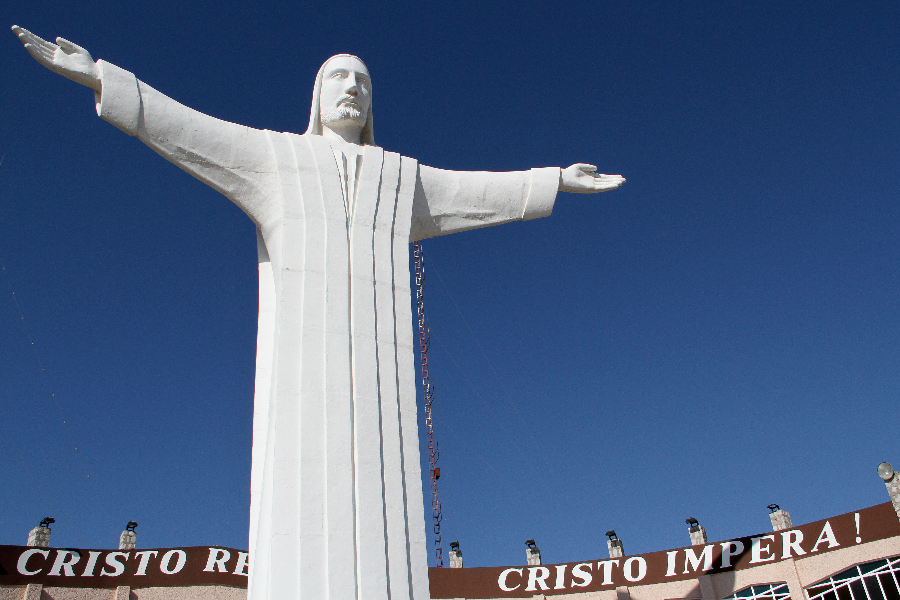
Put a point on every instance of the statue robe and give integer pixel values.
(337, 508)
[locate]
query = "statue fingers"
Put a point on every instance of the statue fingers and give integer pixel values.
(607, 181)
(26, 37)
(23, 34)
(70, 47)
(40, 53)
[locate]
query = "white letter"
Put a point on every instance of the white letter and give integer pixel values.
(827, 535)
(642, 568)
(533, 578)
(91, 563)
(241, 567)
(216, 561)
(584, 576)
(694, 560)
(167, 558)
(501, 581)
(112, 562)
(757, 549)
(729, 550)
(22, 566)
(670, 562)
(791, 541)
(560, 577)
(607, 566)
(145, 558)
(62, 563)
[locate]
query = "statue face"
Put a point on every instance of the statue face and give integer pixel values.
(346, 93)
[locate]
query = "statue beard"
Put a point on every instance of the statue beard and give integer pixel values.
(342, 114)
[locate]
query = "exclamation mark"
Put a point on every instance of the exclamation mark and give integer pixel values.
(858, 539)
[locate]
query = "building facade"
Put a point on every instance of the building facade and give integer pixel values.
(853, 556)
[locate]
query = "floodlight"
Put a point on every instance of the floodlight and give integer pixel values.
(46, 522)
(611, 535)
(530, 543)
(773, 507)
(694, 523)
(454, 546)
(886, 471)
(131, 525)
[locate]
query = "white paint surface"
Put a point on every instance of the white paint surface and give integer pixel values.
(336, 497)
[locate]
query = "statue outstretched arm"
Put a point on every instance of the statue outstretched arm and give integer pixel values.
(450, 201)
(237, 161)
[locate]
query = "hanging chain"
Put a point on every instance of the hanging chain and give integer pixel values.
(428, 393)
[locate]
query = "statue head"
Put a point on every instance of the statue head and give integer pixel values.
(342, 99)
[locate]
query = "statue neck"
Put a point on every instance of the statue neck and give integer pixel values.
(350, 135)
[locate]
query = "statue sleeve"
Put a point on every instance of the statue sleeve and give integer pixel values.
(237, 161)
(450, 201)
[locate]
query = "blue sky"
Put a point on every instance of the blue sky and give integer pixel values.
(721, 333)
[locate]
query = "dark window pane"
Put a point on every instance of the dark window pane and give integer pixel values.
(889, 584)
(869, 567)
(815, 590)
(829, 596)
(859, 592)
(848, 574)
(873, 588)
(769, 591)
(843, 593)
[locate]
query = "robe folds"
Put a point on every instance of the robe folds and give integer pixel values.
(337, 508)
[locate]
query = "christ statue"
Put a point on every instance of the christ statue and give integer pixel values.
(336, 507)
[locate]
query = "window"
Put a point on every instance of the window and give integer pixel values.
(767, 591)
(876, 580)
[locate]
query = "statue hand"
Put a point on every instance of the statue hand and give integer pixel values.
(68, 59)
(582, 179)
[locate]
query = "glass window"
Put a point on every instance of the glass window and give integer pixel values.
(768, 591)
(876, 580)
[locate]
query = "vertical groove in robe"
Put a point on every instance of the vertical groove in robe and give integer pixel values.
(412, 472)
(307, 207)
(340, 506)
(370, 535)
(392, 474)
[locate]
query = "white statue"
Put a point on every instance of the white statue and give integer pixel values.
(336, 493)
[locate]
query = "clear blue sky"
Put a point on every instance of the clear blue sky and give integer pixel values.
(721, 333)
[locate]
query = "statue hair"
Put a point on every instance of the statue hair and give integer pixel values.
(367, 137)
